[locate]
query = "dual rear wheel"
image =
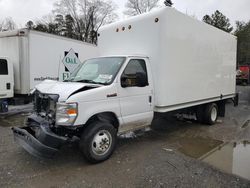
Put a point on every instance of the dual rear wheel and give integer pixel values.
(207, 114)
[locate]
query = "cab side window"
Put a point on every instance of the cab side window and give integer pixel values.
(135, 74)
(3, 67)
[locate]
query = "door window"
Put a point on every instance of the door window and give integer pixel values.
(134, 73)
(3, 67)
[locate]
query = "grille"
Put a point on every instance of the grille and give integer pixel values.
(45, 105)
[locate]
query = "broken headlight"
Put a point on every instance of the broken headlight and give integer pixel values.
(66, 113)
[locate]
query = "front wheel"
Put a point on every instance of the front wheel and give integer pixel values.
(98, 141)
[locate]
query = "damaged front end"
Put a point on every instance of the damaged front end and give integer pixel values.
(37, 138)
(40, 137)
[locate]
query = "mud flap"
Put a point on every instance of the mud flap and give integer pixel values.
(236, 99)
(25, 136)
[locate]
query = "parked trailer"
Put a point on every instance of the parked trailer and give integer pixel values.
(149, 64)
(36, 56)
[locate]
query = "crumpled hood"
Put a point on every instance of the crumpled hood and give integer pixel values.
(63, 89)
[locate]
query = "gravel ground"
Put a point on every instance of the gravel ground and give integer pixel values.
(163, 158)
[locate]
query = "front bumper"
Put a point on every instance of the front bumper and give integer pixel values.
(38, 139)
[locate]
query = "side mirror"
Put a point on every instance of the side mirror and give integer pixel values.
(137, 80)
(141, 79)
(124, 81)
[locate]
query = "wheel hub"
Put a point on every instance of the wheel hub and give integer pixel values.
(213, 114)
(101, 142)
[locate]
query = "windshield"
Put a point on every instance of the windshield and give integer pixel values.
(98, 71)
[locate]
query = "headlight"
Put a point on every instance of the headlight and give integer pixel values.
(66, 113)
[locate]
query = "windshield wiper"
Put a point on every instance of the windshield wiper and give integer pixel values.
(69, 80)
(91, 82)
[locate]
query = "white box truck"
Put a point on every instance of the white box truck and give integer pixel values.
(35, 56)
(159, 62)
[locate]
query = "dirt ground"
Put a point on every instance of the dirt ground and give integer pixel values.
(168, 157)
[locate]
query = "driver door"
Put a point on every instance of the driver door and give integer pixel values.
(135, 101)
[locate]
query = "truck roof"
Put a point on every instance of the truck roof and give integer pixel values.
(25, 32)
(152, 14)
(128, 55)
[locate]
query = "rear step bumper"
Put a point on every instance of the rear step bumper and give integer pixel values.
(40, 143)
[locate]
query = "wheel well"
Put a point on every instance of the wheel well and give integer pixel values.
(221, 108)
(220, 104)
(106, 117)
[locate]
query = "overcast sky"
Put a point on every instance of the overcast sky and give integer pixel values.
(23, 10)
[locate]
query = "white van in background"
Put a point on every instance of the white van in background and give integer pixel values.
(37, 56)
(6, 83)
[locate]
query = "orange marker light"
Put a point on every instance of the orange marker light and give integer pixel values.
(71, 111)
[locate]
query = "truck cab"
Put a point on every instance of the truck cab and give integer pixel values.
(120, 90)
(6, 83)
(104, 97)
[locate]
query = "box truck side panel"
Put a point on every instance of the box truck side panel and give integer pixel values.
(190, 60)
(9, 48)
(47, 52)
(197, 62)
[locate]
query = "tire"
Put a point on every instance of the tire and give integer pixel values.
(98, 141)
(200, 114)
(211, 114)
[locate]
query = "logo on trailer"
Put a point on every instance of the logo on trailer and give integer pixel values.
(71, 61)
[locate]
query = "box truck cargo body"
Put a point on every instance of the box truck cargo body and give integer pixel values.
(191, 61)
(37, 56)
(163, 61)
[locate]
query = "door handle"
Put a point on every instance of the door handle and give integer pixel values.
(150, 99)
(112, 95)
(8, 86)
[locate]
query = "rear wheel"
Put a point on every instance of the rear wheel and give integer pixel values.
(200, 114)
(98, 141)
(207, 114)
(211, 114)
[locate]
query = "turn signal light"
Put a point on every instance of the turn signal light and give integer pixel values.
(71, 111)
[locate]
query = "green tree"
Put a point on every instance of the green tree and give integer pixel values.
(87, 16)
(135, 7)
(77, 19)
(243, 34)
(69, 27)
(7, 24)
(41, 27)
(30, 25)
(59, 24)
(219, 20)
